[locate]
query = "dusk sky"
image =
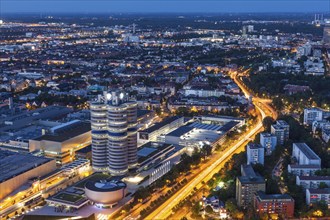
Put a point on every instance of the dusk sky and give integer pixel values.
(164, 6)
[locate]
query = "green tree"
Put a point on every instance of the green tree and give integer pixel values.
(323, 185)
(267, 123)
(196, 208)
(208, 209)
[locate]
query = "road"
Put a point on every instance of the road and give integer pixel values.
(165, 210)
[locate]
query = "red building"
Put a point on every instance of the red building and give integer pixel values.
(281, 204)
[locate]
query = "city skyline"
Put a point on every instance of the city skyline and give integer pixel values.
(164, 115)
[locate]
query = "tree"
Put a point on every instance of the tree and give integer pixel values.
(196, 207)
(267, 123)
(206, 150)
(142, 193)
(231, 205)
(208, 209)
(323, 185)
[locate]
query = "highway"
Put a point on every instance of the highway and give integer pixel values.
(165, 210)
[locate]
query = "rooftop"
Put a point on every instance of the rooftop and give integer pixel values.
(254, 146)
(105, 185)
(13, 164)
(180, 131)
(161, 124)
(314, 178)
(319, 191)
(150, 149)
(304, 148)
(64, 134)
(262, 196)
(249, 176)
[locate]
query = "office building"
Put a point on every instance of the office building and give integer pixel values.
(281, 204)
(152, 153)
(114, 139)
(16, 169)
(164, 127)
(317, 195)
(247, 185)
(255, 154)
(62, 141)
(268, 141)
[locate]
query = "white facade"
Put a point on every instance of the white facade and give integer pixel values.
(114, 133)
(317, 195)
(255, 154)
(312, 182)
(303, 170)
(305, 155)
(279, 132)
(268, 141)
(312, 114)
(320, 125)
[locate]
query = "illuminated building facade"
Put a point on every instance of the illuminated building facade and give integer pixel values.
(114, 133)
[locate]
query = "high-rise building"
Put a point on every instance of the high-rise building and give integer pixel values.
(268, 141)
(114, 139)
(247, 185)
(281, 130)
(255, 154)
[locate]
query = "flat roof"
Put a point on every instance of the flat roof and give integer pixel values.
(180, 131)
(249, 175)
(254, 146)
(65, 134)
(22, 119)
(319, 191)
(161, 124)
(105, 185)
(13, 164)
(212, 127)
(305, 166)
(314, 178)
(263, 196)
(251, 180)
(227, 127)
(307, 151)
(247, 170)
(149, 149)
(146, 151)
(223, 117)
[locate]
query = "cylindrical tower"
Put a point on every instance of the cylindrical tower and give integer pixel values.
(99, 135)
(114, 132)
(132, 134)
